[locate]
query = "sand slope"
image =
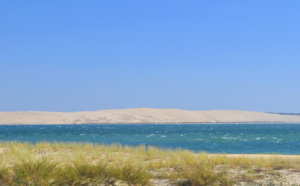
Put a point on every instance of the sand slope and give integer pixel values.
(144, 115)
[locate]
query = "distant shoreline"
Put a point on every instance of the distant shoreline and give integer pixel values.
(147, 116)
(184, 123)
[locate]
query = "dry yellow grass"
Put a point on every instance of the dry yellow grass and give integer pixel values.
(75, 163)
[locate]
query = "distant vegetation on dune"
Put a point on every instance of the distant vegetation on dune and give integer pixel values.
(281, 113)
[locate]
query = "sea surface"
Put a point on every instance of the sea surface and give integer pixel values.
(212, 138)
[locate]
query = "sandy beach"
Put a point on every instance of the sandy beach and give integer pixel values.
(144, 116)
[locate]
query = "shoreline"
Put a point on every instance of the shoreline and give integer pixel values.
(161, 123)
(258, 155)
(120, 146)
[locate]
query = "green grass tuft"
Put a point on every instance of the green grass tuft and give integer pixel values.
(30, 172)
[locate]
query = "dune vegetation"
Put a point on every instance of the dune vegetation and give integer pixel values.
(95, 164)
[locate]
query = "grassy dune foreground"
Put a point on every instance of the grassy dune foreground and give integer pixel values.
(95, 164)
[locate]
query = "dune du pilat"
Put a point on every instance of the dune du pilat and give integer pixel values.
(145, 116)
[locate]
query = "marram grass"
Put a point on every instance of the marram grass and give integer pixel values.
(95, 164)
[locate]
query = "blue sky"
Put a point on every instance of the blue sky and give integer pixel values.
(58, 55)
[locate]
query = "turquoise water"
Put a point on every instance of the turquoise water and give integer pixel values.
(219, 138)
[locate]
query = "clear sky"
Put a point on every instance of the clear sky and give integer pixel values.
(59, 55)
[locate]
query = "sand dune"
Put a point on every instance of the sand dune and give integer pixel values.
(144, 116)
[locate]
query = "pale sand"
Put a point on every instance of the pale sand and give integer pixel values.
(144, 116)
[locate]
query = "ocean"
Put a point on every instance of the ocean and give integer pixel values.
(211, 138)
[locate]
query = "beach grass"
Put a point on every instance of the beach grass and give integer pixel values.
(47, 163)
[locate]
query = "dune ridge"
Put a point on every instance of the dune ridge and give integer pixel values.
(144, 116)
